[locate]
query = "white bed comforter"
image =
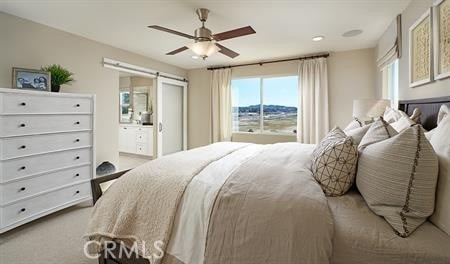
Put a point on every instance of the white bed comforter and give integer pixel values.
(256, 204)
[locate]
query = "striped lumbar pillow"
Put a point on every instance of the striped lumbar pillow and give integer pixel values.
(334, 163)
(397, 178)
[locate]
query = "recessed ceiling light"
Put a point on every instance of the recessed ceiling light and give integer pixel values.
(195, 57)
(318, 38)
(352, 33)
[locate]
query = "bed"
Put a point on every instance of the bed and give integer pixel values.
(230, 208)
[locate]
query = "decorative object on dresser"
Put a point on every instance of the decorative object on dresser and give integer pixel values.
(441, 39)
(37, 129)
(136, 139)
(29, 79)
(420, 71)
(59, 75)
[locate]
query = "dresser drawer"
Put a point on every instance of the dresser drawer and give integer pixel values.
(32, 103)
(141, 137)
(30, 145)
(29, 124)
(17, 190)
(28, 208)
(22, 167)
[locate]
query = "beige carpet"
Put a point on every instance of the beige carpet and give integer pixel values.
(56, 238)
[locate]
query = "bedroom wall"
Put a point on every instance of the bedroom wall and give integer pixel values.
(351, 75)
(434, 89)
(26, 44)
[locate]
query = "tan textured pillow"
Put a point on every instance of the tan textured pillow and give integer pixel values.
(440, 140)
(334, 163)
(378, 131)
(397, 178)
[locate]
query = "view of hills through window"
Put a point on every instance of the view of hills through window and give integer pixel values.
(276, 97)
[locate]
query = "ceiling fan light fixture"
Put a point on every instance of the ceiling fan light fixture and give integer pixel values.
(204, 49)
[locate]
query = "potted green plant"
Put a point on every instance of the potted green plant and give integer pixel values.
(59, 76)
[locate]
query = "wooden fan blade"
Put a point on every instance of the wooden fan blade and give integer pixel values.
(168, 30)
(227, 51)
(239, 32)
(173, 52)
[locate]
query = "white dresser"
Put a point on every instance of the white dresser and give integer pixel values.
(46, 153)
(136, 139)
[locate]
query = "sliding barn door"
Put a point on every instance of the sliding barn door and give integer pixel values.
(171, 116)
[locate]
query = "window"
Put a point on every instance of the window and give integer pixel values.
(390, 83)
(275, 97)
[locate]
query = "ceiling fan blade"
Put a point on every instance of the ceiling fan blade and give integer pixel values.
(239, 32)
(173, 52)
(168, 30)
(227, 51)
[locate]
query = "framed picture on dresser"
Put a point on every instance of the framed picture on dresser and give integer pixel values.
(420, 43)
(29, 79)
(441, 38)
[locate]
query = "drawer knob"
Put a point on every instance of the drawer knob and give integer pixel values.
(77, 105)
(77, 192)
(77, 123)
(77, 140)
(77, 157)
(22, 125)
(76, 175)
(22, 189)
(23, 104)
(23, 147)
(23, 168)
(23, 210)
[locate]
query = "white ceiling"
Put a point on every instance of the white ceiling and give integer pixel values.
(284, 28)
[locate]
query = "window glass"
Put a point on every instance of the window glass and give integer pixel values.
(280, 99)
(275, 97)
(246, 99)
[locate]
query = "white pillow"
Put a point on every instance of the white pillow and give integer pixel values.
(440, 141)
(397, 178)
(443, 112)
(358, 133)
(354, 124)
(403, 123)
(391, 115)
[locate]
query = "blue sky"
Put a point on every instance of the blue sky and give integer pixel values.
(277, 91)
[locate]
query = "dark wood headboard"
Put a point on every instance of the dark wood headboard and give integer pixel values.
(429, 108)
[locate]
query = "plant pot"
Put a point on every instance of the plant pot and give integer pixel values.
(55, 88)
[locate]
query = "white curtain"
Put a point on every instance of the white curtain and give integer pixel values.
(221, 119)
(312, 120)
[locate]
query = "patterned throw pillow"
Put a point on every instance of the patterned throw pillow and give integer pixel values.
(334, 163)
(397, 178)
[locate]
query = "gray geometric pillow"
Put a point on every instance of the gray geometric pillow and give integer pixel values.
(397, 178)
(334, 163)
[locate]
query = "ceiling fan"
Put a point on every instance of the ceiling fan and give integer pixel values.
(205, 43)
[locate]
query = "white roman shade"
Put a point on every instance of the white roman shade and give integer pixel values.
(390, 44)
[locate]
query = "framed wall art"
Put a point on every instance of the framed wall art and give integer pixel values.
(420, 50)
(441, 38)
(29, 79)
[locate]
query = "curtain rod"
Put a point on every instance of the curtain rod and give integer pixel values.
(325, 55)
